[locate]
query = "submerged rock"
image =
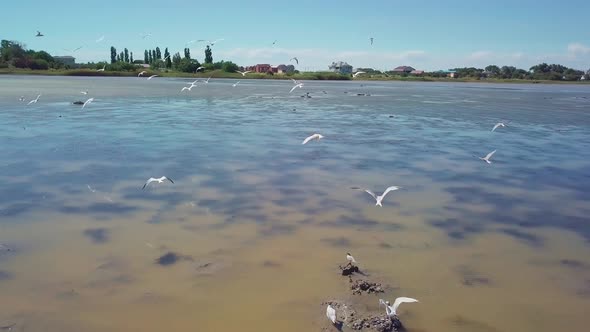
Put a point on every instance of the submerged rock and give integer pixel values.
(78, 102)
(359, 286)
(349, 317)
(170, 258)
(349, 270)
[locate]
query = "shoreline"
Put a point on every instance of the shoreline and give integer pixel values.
(318, 76)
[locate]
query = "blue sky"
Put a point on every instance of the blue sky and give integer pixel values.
(424, 34)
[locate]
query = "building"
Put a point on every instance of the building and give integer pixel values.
(66, 60)
(417, 72)
(450, 73)
(341, 67)
(403, 69)
(263, 68)
(283, 69)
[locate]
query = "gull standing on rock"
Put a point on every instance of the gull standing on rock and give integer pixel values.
(159, 180)
(331, 314)
(350, 259)
(379, 199)
(392, 310)
(314, 136)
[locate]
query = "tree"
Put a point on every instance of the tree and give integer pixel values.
(507, 71)
(187, 53)
(493, 69)
(208, 55)
(121, 56)
(176, 60)
(229, 67)
(150, 58)
(113, 54)
(118, 58)
(158, 54)
(131, 58)
(167, 57)
(126, 55)
(188, 65)
(146, 58)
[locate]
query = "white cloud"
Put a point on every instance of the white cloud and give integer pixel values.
(575, 49)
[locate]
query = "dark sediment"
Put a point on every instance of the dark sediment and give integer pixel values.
(170, 258)
(363, 286)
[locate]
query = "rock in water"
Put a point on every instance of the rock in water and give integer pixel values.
(360, 286)
(78, 103)
(349, 270)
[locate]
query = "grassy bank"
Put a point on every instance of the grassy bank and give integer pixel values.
(300, 76)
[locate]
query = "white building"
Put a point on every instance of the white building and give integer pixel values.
(341, 67)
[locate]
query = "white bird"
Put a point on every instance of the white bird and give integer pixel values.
(39, 34)
(166, 58)
(189, 88)
(379, 199)
(371, 39)
(199, 69)
(141, 73)
(298, 85)
(100, 39)
(236, 84)
(350, 259)
(215, 41)
(392, 310)
(331, 314)
(487, 157)
(207, 81)
(295, 58)
(243, 72)
(87, 102)
(145, 35)
(84, 92)
(102, 69)
(314, 136)
(499, 124)
(89, 188)
(159, 180)
(22, 98)
(34, 101)
(358, 73)
(149, 78)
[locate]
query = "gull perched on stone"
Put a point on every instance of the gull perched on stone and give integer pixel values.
(379, 199)
(350, 259)
(392, 310)
(159, 180)
(314, 136)
(331, 314)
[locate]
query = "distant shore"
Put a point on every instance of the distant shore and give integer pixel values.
(328, 76)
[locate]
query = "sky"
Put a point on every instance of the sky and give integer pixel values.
(428, 35)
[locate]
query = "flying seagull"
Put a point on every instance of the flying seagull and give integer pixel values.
(331, 314)
(201, 67)
(274, 42)
(76, 49)
(236, 84)
(299, 85)
(189, 88)
(149, 78)
(379, 199)
(87, 102)
(22, 98)
(314, 136)
(487, 157)
(350, 259)
(102, 69)
(84, 92)
(295, 58)
(166, 58)
(39, 34)
(499, 124)
(34, 101)
(141, 73)
(243, 72)
(159, 180)
(392, 310)
(207, 81)
(145, 35)
(358, 73)
(215, 41)
(100, 39)
(371, 39)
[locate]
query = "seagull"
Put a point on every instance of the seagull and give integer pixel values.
(243, 72)
(314, 136)
(102, 69)
(141, 73)
(207, 81)
(392, 310)
(160, 180)
(90, 188)
(84, 92)
(199, 69)
(358, 73)
(76, 49)
(215, 41)
(295, 58)
(371, 39)
(22, 98)
(145, 35)
(350, 259)
(39, 34)
(379, 199)
(149, 78)
(34, 101)
(236, 84)
(298, 85)
(189, 88)
(100, 39)
(331, 314)
(87, 102)
(166, 58)
(274, 42)
(487, 157)
(499, 124)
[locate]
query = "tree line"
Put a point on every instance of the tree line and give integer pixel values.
(543, 71)
(13, 53)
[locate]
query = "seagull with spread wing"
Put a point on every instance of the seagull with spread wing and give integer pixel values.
(379, 199)
(317, 137)
(158, 180)
(391, 310)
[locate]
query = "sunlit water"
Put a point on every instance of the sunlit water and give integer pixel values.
(261, 222)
